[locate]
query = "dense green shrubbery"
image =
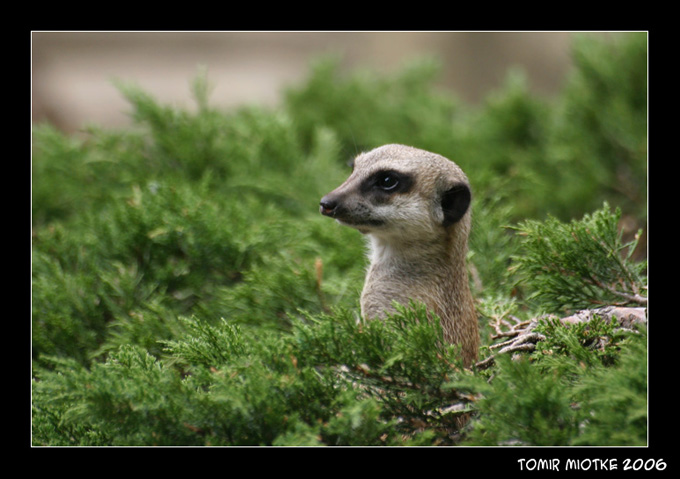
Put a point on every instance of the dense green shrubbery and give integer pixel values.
(187, 292)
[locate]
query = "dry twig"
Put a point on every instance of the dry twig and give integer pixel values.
(523, 338)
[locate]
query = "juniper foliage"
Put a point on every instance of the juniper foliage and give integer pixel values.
(580, 264)
(185, 290)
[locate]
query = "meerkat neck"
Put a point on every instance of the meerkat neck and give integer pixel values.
(415, 270)
(410, 254)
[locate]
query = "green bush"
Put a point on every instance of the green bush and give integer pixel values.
(186, 291)
(572, 391)
(582, 264)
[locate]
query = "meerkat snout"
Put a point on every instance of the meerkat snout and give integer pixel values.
(415, 208)
(327, 206)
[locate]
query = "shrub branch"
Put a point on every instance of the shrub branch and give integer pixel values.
(524, 338)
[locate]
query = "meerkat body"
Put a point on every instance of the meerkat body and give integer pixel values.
(414, 206)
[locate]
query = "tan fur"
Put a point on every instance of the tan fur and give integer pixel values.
(414, 254)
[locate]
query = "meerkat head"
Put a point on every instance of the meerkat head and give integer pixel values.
(397, 191)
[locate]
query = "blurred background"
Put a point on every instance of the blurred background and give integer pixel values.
(73, 71)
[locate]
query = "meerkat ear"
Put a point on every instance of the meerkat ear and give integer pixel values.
(455, 202)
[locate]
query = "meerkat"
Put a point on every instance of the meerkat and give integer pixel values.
(414, 206)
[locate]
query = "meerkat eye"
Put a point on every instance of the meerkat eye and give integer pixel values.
(385, 183)
(388, 181)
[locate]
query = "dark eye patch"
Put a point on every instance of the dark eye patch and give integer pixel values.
(387, 182)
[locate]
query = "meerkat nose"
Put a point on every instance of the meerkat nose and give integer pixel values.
(327, 206)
